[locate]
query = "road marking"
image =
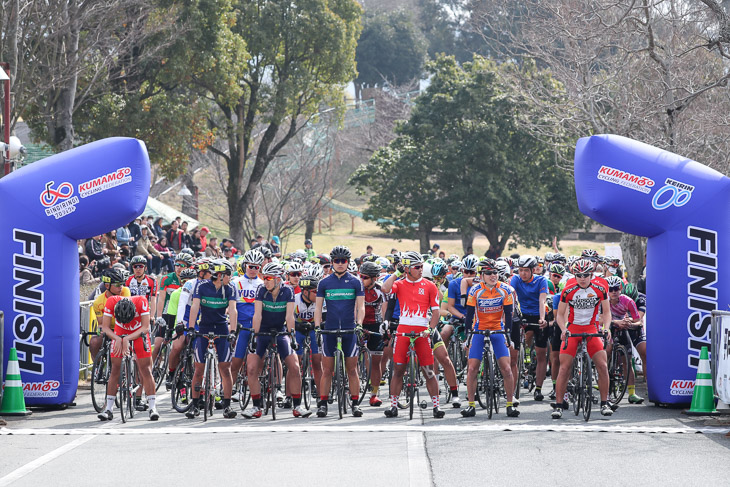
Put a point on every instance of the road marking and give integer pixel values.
(387, 428)
(39, 462)
(419, 468)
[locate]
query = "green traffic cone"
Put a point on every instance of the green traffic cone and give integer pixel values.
(703, 397)
(13, 400)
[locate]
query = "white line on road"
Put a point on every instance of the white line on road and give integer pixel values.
(419, 469)
(39, 462)
(388, 428)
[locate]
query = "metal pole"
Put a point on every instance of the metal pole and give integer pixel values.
(6, 117)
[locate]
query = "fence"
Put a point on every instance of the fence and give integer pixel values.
(88, 323)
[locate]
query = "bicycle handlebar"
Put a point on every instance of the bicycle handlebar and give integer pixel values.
(338, 331)
(580, 335)
(271, 333)
(487, 332)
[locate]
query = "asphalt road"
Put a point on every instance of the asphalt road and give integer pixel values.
(640, 444)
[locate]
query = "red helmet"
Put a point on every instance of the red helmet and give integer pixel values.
(582, 266)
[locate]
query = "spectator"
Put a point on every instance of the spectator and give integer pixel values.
(275, 247)
(260, 242)
(175, 237)
(185, 234)
(369, 250)
(311, 253)
(123, 236)
(109, 242)
(146, 248)
(204, 238)
(212, 250)
(195, 241)
(165, 259)
(442, 255)
(85, 275)
(81, 247)
(135, 232)
(124, 256)
(491, 252)
(95, 251)
(254, 243)
(435, 249)
(228, 255)
(393, 251)
(158, 229)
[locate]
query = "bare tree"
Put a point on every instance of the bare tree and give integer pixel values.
(652, 70)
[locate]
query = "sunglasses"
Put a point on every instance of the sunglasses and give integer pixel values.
(339, 261)
(180, 265)
(559, 276)
(269, 278)
(416, 267)
(295, 274)
(138, 266)
(363, 277)
(583, 275)
(253, 267)
(614, 289)
(469, 272)
(489, 273)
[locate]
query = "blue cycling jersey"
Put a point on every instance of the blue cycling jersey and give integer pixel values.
(529, 293)
(273, 310)
(213, 302)
(340, 294)
(455, 294)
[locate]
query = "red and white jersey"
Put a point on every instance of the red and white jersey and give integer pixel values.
(584, 303)
(416, 300)
(142, 307)
(146, 287)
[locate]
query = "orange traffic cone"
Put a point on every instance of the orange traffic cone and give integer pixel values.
(13, 400)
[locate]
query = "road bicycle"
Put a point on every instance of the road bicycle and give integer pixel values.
(181, 392)
(364, 361)
(129, 383)
(489, 382)
(456, 350)
(270, 376)
(100, 372)
(211, 377)
(308, 386)
(411, 379)
(582, 375)
(619, 362)
(340, 387)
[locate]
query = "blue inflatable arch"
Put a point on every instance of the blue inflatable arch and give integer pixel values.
(46, 207)
(682, 207)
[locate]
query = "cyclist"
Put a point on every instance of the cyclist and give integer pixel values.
(139, 283)
(578, 312)
(488, 305)
(172, 307)
(304, 306)
(113, 281)
(532, 292)
(294, 272)
(374, 314)
(625, 316)
(326, 263)
(308, 249)
(246, 284)
(416, 296)
(168, 285)
(213, 299)
(344, 296)
(557, 272)
(130, 318)
(273, 310)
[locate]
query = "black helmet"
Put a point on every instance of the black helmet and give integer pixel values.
(322, 259)
(138, 259)
(266, 251)
(188, 274)
(308, 281)
(113, 276)
(370, 269)
(341, 252)
(124, 311)
(189, 251)
(308, 242)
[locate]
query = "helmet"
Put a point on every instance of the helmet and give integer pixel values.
(571, 260)
(527, 261)
(409, 258)
(221, 266)
(273, 269)
(352, 267)
(470, 263)
(323, 259)
(369, 258)
(630, 291)
(540, 260)
(294, 267)
(340, 252)
(299, 254)
(589, 254)
(582, 266)
(138, 259)
(253, 256)
(188, 274)
(184, 257)
(612, 261)
(556, 269)
(188, 250)
(370, 269)
(113, 276)
(487, 265)
(559, 258)
(308, 281)
(456, 263)
(316, 271)
(265, 251)
(308, 242)
(549, 256)
(427, 270)
(503, 270)
(452, 258)
(393, 258)
(615, 281)
(202, 264)
(383, 263)
(124, 310)
(439, 269)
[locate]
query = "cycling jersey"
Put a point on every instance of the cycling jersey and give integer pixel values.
(213, 302)
(416, 298)
(488, 305)
(173, 302)
(246, 289)
(273, 310)
(296, 289)
(169, 284)
(146, 287)
(340, 294)
(185, 300)
(100, 302)
(529, 293)
(141, 308)
(584, 303)
(624, 306)
(303, 311)
(374, 299)
(455, 294)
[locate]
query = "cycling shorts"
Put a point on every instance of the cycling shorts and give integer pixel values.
(329, 345)
(222, 347)
(142, 346)
(422, 346)
(594, 345)
(635, 336)
(312, 342)
(374, 343)
(476, 346)
(283, 345)
(169, 325)
(244, 337)
(436, 339)
(540, 335)
(555, 338)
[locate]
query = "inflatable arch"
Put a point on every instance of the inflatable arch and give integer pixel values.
(46, 207)
(682, 207)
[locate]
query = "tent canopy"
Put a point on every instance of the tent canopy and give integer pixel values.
(157, 208)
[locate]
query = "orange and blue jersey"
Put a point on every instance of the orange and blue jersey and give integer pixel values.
(489, 305)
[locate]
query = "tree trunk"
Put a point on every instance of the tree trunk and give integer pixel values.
(467, 238)
(190, 203)
(309, 227)
(633, 249)
(424, 237)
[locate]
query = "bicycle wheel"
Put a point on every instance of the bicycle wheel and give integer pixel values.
(489, 385)
(159, 368)
(306, 384)
(578, 385)
(618, 373)
(520, 371)
(411, 388)
(481, 390)
(497, 385)
(264, 377)
(364, 364)
(339, 383)
(122, 391)
(130, 385)
(99, 379)
(207, 387)
(588, 390)
(181, 392)
(273, 385)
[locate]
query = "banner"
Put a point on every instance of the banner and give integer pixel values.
(721, 359)
(682, 207)
(47, 206)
